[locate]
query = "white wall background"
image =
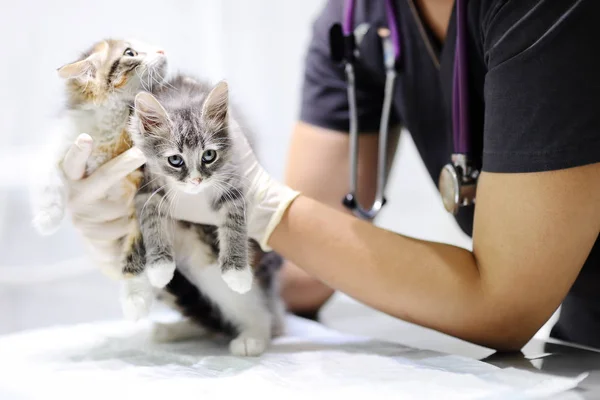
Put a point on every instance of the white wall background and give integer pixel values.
(257, 45)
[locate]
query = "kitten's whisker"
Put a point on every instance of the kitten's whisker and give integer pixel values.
(227, 193)
(139, 75)
(148, 183)
(235, 203)
(171, 210)
(241, 181)
(163, 82)
(150, 198)
(161, 202)
(235, 186)
(168, 216)
(166, 83)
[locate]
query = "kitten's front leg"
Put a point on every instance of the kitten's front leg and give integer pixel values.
(158, 241)
(233, 242)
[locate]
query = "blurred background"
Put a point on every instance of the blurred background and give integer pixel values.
(258, 46)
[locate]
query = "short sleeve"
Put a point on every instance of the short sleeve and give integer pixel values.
(542, 87)
(324, 101)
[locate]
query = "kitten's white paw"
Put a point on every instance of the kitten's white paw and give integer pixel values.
(177, 331)
(239, 280)
(245, 346)
(136, 297)
(162, 333)
(160, 274)
(136, 306)
(47, 222)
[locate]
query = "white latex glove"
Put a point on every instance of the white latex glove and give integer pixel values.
(267, 198)
(100, 220)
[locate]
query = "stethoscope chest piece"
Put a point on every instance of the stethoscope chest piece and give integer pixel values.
(457, 184)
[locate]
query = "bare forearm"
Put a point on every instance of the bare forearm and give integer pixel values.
(431, 284)
(531, 238)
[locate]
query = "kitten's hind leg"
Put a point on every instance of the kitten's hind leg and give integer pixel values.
(249, 344)
(136, 297)
(177, 331)
(255, 333)
(254, 321)
(266, 272)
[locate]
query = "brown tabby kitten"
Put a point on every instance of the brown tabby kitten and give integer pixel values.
(100, 89)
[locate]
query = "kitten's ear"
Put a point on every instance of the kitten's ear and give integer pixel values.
(87, 67)
(150, 112)
(217, 103)
(77, 69)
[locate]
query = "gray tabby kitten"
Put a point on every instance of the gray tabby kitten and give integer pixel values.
(197, 158)
(185, 132)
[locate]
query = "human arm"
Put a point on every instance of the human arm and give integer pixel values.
(531, 238)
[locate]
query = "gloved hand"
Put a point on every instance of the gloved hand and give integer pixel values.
(267, 198)
(100, 220)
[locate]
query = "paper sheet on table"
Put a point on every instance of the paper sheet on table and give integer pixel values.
(116, 360)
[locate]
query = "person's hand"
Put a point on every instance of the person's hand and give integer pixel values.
(100, 220)
(267, 198)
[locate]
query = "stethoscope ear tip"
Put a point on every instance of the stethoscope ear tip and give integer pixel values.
(349, 201)
(336, 43)
(342, 46)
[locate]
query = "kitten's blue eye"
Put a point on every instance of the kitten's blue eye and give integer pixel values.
(130, 52)
(175, 161)
(209, 156)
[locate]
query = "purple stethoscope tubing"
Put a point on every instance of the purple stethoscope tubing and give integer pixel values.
(460, 109)
(392, 53)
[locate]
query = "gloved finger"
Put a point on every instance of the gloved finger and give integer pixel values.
(76, 158)
(97, 184)
(101, 211)
(109, 230)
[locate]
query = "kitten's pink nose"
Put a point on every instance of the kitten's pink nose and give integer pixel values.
(160, 52)
(196, 181)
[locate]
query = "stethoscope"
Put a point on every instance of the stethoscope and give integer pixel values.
(458, 179)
